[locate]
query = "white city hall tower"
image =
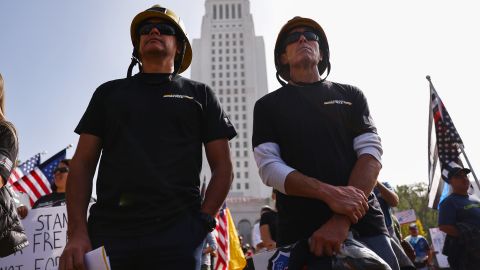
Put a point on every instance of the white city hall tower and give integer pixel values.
(231, 59)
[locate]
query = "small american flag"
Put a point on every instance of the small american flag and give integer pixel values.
(24, 169)
(448, 139)
(38, 182)
(222, 238)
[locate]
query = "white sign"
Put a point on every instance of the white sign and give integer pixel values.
(406, 216)
(438, 239)
(46, 230)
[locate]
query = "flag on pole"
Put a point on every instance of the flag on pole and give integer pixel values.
(222, 239)
(446, 149)
(38, 182)
(230, 253)
(24, 169)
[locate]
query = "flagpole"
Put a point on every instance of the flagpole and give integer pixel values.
(430, 118)
(470, 166)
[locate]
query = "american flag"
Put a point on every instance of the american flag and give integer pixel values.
(222, 238)
(38, 182)
(24, 169)
(448, 139)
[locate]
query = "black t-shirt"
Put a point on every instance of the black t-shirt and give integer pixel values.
(315, 125)
(152, 130)
(270, 218)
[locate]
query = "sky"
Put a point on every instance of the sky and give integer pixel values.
(54, 54)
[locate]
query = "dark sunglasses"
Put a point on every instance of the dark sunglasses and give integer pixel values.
(163, 28)
(60, 170)
(295, 36)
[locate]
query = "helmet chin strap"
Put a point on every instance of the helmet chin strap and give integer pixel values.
(135, 61)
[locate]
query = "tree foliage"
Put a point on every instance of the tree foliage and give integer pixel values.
(415, 196)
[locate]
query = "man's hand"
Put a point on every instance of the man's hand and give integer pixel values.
(328, 239)
(347, 200)
(73, 255)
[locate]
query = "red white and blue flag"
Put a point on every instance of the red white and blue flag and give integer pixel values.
(38, 182)
(222, 238)
(24, 169)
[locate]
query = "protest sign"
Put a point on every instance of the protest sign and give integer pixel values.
(46, 230)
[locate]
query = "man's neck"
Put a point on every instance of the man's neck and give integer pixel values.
(304, 75)
(157, 66)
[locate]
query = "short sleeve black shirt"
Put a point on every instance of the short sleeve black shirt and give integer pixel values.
(152, 130)
(314, 126)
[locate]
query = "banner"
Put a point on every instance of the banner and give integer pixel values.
(46, 230)
(438, 239)
(406, 216)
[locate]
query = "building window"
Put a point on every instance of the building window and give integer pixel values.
(228, 83)
(235, 82)
(238, 186)
(234, 58)
(236, 108)
(227, 43)
(243, 81)
(227, 66)
(237, 144)
(242, 66)
(213, 59)
(213, 67)
(220, 37)
(228, 91)
(227, 9)
(244, 116)
(244, 108)
(243, 90)
(241, 50)
(234, 43)
(213, 43)
(233, 11)
(245, 153)
(235, 91)
(246, 175)
(245, 164)
(247, 186)
(244, 99)
(220, 75)
(238, 164)
(213, 37)
(245, 135)
(227, 51)
(239, 7)
(214, 12)
(244, 125)
(228, 99)
(241, 35)
(237, 154)
(220, 51)
(213, 75)
(228, 73)
(238, 175)
(234, 35)
(221, 12)
(243, 74)
(220, 83)
(235, 99)
(245, 144)
(226, 35)
(241, 42)
(236, 116)
(213, 83)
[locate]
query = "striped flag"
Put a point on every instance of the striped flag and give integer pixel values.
(230, 253)
(24, 169)
(38, 182)
(222, 239)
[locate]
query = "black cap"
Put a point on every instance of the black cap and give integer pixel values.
(454, 171)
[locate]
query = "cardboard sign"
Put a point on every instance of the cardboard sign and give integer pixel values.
(406, 216)
(46, 230)
(438, 240)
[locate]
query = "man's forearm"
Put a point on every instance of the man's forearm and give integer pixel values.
(365, 173)
(217, 190)
(79, 190)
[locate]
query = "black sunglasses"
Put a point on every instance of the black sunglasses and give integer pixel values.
(60, 170)
(295, 36)
(163, 28)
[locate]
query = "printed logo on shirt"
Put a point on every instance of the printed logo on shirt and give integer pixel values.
(470, 206)
(177, 96)
(337, 101)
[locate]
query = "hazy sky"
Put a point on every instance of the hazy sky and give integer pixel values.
(53, 55)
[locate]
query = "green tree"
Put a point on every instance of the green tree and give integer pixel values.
(415, 196)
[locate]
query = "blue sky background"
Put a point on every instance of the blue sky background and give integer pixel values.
(53, 55)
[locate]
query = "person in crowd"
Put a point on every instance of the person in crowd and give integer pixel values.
(268, 227)
(423, 254)
(59, 186)
(209, 249)
(149, 129)
(315, 142)
(12, 236)
(257, 243)
(459, 218)
(387, 198)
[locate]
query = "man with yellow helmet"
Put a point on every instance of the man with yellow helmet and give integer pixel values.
(149, 129)
(315, 142)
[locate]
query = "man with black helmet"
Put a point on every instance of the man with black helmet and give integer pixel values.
(315, 142)
(149, 129)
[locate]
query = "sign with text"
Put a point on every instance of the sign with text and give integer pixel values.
(438, 239)
(406, 216)
(46, 230)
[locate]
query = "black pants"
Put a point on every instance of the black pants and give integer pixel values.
(177, 247)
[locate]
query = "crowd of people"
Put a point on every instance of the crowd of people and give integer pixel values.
(314, 141)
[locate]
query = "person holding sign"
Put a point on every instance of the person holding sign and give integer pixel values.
(315, 142)
(149, 129)
(12, 235)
